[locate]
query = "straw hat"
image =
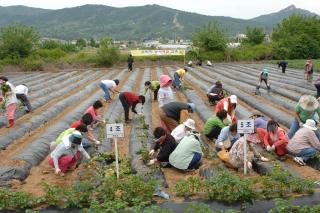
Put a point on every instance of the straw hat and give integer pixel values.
(190, 123)
(310, 124)
(308, 102)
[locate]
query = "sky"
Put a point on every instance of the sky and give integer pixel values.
(235, 8)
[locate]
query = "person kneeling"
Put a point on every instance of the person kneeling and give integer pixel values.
(227, 137)
(165, 143)
(214, 124)
(188, 153)
(67, 154)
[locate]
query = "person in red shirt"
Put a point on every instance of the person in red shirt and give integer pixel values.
(94, 110)
(274, 138)
(86, 120)
(129, 99)
(229, 104)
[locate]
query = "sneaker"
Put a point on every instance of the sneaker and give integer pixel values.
(299, 160)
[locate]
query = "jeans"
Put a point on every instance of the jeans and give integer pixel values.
(24, 100)
(85, 143)
(307, 153)
(195, 160)
(105, 90)
(176, 81)
(295, 127)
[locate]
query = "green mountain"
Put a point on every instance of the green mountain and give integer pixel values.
(143, 22)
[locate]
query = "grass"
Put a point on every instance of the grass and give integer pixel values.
(299, 64)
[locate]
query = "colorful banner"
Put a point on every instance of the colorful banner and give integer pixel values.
(157, 52)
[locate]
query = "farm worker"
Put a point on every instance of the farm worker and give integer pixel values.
(199, 62)
(67, 154)
(260, 121)
(190, 63)
(283, 65)
(82, 128)
(227, 137)
(95, 111)
(304, 143)
(229, 104)
(307, 108)
(175, 113)
(183, 129)
(308, 70)
(275, 139)
(236, 153)
(209, 64)
(164, 146)
(130, 62)
(109, 86)
(214, 124)
(215, 93)
(165, 94)
(9, 98)
(22, 95)
(264, 76)
(178, 77)
(129, 99)
(87, 120)
(153, 86)
(188, 153)
(317, 85)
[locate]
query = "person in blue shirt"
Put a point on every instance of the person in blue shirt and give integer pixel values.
(227, 137)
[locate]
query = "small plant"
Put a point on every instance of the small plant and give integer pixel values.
(144, 153)
(189, 187)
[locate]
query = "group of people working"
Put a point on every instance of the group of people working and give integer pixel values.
(10, 96)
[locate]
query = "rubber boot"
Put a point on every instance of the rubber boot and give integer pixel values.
(11, 123)
(257, 92)
(269, 89)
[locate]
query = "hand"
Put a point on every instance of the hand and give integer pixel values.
(151, 162)
(249, 165)
(58, 171)
(300, 124)
(220, 144)
(97, 142)
(273, 147)
(140, 113)
(263, 159)
(268, 148)
(151, 153)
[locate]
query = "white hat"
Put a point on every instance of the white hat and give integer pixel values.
(310, 124)
(190, 123)
(308, 102)
(233, 99)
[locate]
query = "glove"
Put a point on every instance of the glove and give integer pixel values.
(220, 144)
(273, 147)
(140, 113)
(300, 124)
(151, 152)
(151, 162)
(268, 148)
(249, 165)
(263, 159)
(97, 142)
(58, 171)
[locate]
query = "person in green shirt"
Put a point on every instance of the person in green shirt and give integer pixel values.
(214, 124)
(154, 86)
(307, 108)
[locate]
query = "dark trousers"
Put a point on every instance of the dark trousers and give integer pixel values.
(284, 69)
(155, 93)
(266, 82)
(214, 133)
(125, 105)
(318, 90)
(214, 98)
(24, 100)
(195, 160)
(130, 66)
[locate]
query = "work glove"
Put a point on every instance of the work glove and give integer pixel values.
(151, 153)
(269, 148)
(263, 159)
(58, 171)
(301, 124)
(273, 147)
(151, 162)
(220, 144)
(97, 142)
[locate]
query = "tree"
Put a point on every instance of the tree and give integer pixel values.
(93, 43)
(17, 41)
(299, 36)
(108, 53)
(81, 43)
(210, 38)
(255, 36)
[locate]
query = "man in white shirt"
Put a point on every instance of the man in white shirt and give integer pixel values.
(22, 95)
(182, 130)
(109, 85)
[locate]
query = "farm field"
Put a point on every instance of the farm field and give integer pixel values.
(60, 98)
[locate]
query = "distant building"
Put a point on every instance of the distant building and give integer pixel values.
(151, 43)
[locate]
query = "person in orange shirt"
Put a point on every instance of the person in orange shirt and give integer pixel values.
(229, 104)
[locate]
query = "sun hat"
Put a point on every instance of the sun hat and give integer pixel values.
(76, 137)
(165, 80)
(190, 123)
(308, 102)
(233, 99)
(310, 124)
(264, 70)
(192, 106)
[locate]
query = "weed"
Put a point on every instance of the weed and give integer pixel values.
(144, 152)
(189, 187)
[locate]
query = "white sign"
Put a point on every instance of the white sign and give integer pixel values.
(245, 126)
(115, 130)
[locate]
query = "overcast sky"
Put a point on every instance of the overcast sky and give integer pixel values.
(234, 8)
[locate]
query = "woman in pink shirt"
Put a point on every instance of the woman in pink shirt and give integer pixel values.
(94, 110)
